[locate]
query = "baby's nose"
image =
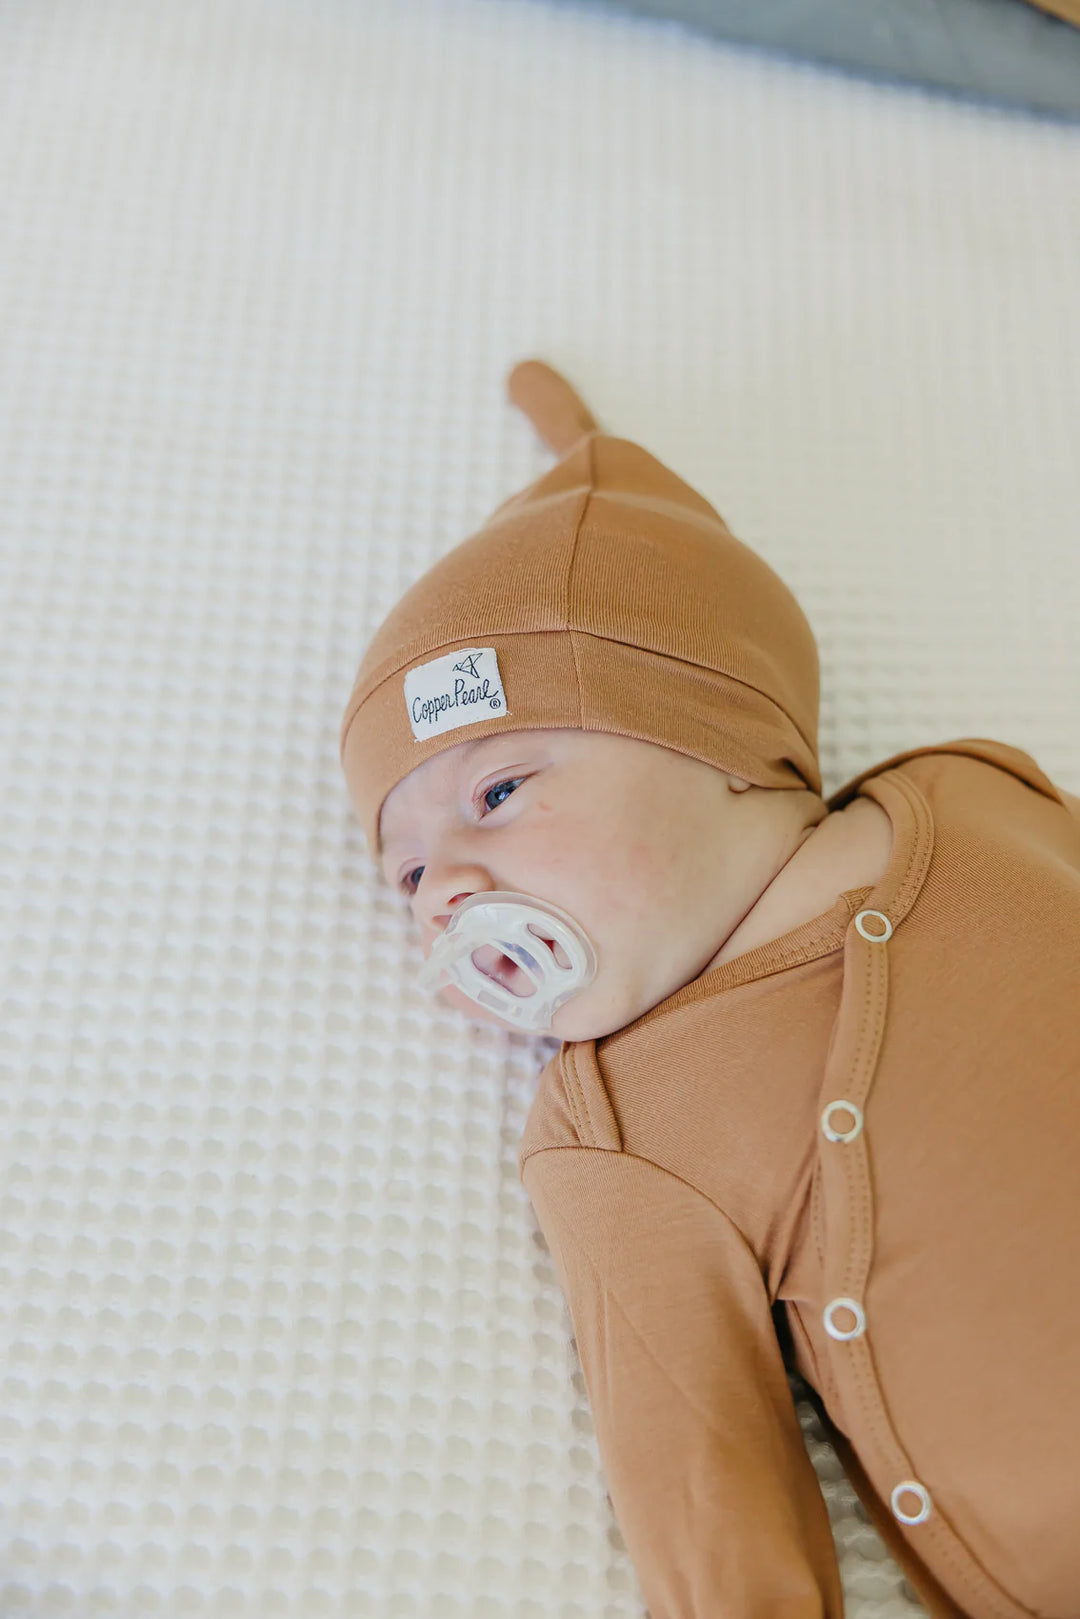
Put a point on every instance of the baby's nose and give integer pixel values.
(445, 886)
(443, 917)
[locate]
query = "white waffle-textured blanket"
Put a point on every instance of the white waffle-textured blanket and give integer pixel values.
(278, 1337)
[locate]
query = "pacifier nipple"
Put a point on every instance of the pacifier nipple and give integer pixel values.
(513, 955)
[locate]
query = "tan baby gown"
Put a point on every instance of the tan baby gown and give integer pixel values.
(861, 1142)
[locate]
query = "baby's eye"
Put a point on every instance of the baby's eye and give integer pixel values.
(411, 880)
(501, 792)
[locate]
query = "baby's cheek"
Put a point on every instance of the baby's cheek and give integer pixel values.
(586, 862)
(659, 871)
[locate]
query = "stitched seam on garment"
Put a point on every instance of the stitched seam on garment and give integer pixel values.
(757, 974)
(955, 750)
(920, 810)
(867, 1053)
(448, 644)
(855, 1183)
(569, 578)
(575, 1096)
(805, 953)
(584, 1094)
(686, 663)
(817, 1212)
(922, 841)
(669, 1174)
(569, 1146)
(511, 632)
(923, 818)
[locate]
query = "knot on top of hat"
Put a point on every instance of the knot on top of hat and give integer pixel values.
(559, 414)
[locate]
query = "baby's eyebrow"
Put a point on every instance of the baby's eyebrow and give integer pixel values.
(394, 841)
(464, 758)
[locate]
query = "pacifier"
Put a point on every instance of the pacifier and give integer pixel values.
(506, 922)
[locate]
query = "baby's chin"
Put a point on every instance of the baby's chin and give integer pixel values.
(569, 1024)
(460, 1002)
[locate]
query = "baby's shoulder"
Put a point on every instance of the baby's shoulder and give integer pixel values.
(961, 760)
(571, 1107)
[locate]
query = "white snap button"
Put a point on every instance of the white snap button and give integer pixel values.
(839, 1332)
(911, 1486)
(875, 938)
(829, 1127)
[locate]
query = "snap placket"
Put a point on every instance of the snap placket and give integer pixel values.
(832, 1134)
(907, 1487)
(911, 1486)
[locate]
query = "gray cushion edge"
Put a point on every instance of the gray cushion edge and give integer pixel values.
(1003, 51)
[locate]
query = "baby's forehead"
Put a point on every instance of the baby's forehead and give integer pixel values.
(501, 747)
(452, 763)
(507, 748)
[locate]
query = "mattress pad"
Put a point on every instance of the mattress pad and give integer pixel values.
(278, 1333)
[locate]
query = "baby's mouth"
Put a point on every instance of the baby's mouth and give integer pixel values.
(495, 964)
(498, 967)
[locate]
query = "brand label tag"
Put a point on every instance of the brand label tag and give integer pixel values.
(461, 688)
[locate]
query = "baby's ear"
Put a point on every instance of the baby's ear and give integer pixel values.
(737, 784)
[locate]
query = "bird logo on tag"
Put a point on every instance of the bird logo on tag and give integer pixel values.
(461, 688)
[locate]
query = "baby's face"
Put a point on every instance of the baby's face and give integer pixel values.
(636, 842)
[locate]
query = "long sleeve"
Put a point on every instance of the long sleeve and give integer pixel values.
(704, 1458)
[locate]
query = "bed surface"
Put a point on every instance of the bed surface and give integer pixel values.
(277, 1336)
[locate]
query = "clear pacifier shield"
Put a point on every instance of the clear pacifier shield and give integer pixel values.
(505, 922)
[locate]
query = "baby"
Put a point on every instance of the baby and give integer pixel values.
(818, 1097)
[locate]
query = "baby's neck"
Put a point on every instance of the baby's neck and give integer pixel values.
(848, 848)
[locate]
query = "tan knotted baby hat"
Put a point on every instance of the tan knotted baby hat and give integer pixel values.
(606, 596)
